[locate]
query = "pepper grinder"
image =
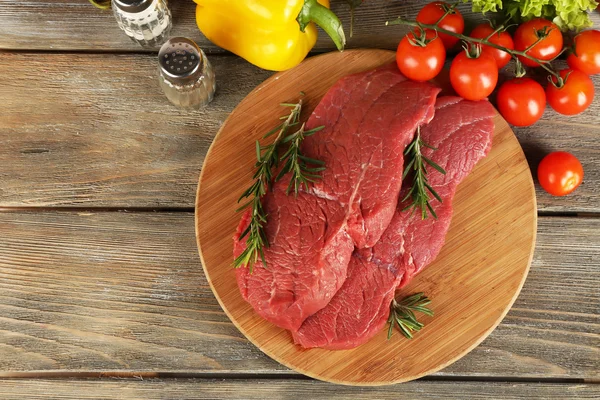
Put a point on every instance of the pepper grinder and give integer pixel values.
(147, 22)
(185, 74)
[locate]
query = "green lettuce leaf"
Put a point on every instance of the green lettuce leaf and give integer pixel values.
(484, 6)
(572, 14)
(532, 8)
(567, 14)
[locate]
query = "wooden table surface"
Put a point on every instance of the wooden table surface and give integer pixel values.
(102, 293)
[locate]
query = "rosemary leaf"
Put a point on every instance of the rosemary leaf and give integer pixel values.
(316, 169)
(274, 130)
(404, 329)
(430, 210)
(240, 208)
(410, 316)
(390, 330)
(433, 164)
(424, 310)
(311, 160)
(314, 130)
(412, 300)
(245, 232)
(411, 163)
(428, 146)
(258, 151)
(410, 147)
(433, 192)
(281, 173)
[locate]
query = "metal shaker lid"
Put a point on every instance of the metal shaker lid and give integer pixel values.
(132, 6)
(180, 60)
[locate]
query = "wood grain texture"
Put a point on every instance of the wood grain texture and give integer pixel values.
(40, 25)
(126, 292)
(480, 270)
(286, 390)
(99, 131)
(95, 130)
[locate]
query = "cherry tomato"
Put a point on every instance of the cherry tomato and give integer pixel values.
(575, 95)
(528, 33)
(473, 78)
(420, 63)
(454, 22)
(587, 48)
(560, 173)
(521, 101)
(503, 39)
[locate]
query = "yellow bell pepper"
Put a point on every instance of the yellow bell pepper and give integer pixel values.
(272, 34)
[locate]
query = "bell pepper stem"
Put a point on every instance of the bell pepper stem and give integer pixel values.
(312, 11)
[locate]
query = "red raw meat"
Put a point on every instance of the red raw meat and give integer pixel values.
(462, 133)
(369, 119)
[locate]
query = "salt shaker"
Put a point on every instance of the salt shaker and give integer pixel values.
(185, 74)
(147, 22)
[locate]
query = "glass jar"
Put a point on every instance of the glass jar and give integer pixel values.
(185, 74)
(147, 22)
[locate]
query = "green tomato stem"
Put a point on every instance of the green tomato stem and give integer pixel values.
(447, 11)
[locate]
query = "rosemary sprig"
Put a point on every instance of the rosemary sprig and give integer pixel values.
(267, 159)
(297, 164)
(420, 186)
(402, 314)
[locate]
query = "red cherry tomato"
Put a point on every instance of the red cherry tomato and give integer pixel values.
(503, 39)
(420, 63)
(473, 78)
(574, 96)
(560, 173)
(454, 22)
(521, 101)
(587, 48)
(528, 33)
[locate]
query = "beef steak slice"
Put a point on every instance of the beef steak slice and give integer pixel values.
(462, 133)
(369, 119)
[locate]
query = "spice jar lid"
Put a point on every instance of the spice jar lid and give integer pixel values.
(132, 6)
(180, 60)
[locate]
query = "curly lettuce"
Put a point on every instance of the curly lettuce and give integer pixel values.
(487, 5)
(567, 14)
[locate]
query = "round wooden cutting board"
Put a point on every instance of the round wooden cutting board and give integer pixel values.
(472, 283)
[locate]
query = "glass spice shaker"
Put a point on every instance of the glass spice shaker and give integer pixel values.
(185, 74)
(147, 22)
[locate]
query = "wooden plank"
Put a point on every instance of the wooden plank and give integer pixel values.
(76, 25)
(95, 130)
(126, 292)
(294, 389)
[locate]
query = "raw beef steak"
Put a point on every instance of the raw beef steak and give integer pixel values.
(462, 133)
(369, 119)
